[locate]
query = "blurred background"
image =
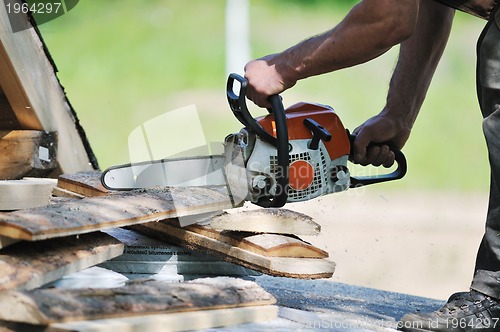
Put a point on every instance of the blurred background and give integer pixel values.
(124, 62)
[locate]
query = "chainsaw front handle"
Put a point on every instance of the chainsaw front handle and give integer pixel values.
(399, 173)
(238, 105)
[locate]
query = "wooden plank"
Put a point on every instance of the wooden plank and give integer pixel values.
(27, 153)
(182, 321)
(63, 193)
(144, 255)
(120, 209)
(25, 193)
(271, 220)
(270, 245)
(87, 184)
(28, 265)
(303, 268)
(28, 79)
(46, 306)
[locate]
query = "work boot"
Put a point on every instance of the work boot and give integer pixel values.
(464, 312)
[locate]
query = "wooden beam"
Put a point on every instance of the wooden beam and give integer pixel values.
(28, 265)
(302, 268)
(47, 306)
(28, 79)
(25, 193)
(271, 220)
(27, 153)
(116, 210)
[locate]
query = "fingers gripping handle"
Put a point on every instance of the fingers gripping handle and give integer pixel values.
(396, 175)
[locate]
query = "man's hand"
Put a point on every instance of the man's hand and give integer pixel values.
(381, 128)
(266, 77)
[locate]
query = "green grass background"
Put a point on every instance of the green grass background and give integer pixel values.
(123, 62)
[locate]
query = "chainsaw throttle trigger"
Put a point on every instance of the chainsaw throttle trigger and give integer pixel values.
(399, 173)
(319, 133)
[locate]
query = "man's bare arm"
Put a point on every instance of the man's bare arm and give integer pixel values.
(418, 59)
(371, 28)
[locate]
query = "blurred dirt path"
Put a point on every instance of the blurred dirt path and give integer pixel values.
(420, 243)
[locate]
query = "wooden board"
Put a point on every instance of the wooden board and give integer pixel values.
(270, 245)
(303, 268)
(271, 220)
(46, 306)
(144, 255)
(27, 153)
(28, 265)
(25, 193)
(181, 321)
(120, 209)
(87, 184)
(29, 82)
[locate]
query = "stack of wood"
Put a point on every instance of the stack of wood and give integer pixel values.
(67, 235)
(51, 228)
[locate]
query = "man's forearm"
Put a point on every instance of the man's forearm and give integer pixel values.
(418, 59)
(370, 29)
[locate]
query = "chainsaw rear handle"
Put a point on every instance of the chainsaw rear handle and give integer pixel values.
(399, 173)
(238, 105)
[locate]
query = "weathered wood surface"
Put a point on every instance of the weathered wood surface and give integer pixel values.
(26, 193)
(303, 268)
(27, 265)
(271, 245)
(86, 184)
(120, 209)
(29, 82)
(27, 153)
(271, 220)
(145, 255)
(46, 306)
(181, 321)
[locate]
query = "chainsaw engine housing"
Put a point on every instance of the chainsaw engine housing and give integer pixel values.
(315, 168)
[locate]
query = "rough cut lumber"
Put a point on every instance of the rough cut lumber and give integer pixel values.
(46, 306)
(87, 184)
(145, 255)
(303, 268)
(29, 82)
(271, 220)
(182, 321)
(27, 265)
(25, 193)
(27, 153)
(120, 209)
(63, 193)
(271, 245)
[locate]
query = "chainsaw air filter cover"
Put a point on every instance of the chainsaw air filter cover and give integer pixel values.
(318, 151)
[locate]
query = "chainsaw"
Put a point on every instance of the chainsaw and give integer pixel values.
(287, 156)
